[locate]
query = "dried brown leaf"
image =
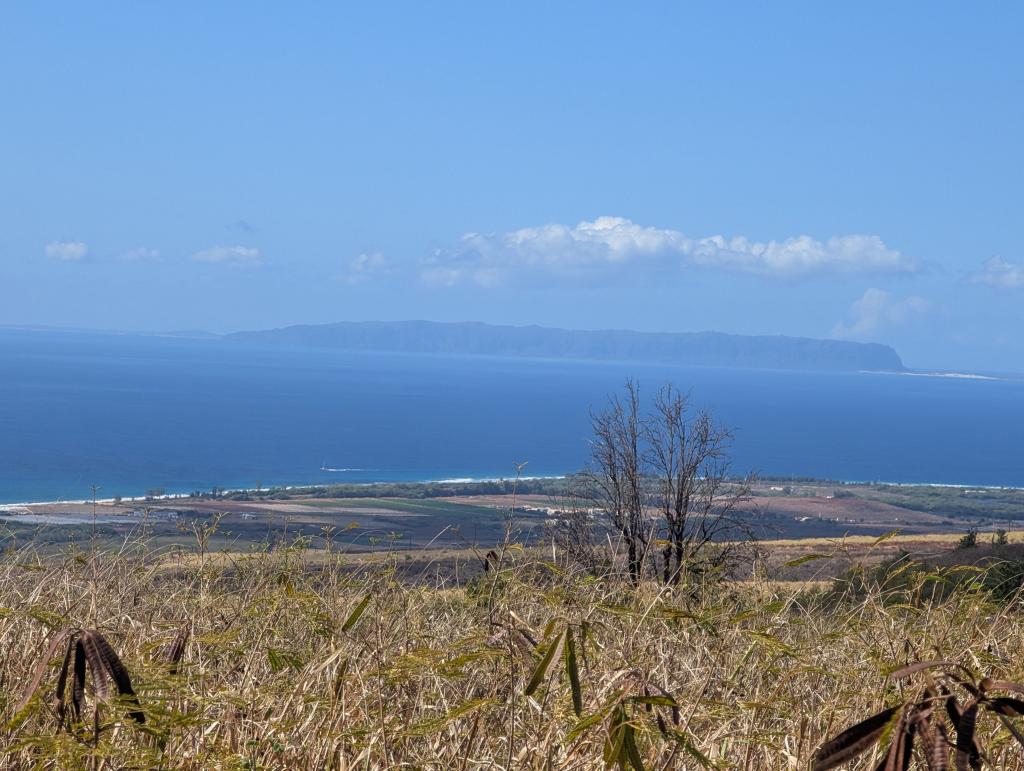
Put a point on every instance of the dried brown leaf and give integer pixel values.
(853, 741)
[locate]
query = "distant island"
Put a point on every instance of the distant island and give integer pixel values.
(708, 349)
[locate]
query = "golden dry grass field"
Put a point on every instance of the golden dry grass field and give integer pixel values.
(315, 660)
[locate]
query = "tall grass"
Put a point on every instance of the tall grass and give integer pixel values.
(308, 660)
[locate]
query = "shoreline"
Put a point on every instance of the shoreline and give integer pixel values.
(126, 500)
(130, 501)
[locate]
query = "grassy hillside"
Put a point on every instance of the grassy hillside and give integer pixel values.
(312, 660)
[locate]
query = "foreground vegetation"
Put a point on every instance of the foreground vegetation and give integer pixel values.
(295, 659)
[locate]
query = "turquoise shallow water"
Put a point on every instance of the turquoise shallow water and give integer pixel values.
(130, 413)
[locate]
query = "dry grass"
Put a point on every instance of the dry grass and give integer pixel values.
(916, 540)
(298, 662)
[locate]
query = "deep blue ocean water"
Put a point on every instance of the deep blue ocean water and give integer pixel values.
(130, 413)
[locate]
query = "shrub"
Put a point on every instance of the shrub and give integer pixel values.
(969, 539)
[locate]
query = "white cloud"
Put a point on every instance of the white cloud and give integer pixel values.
(66, 251)
(876, 310)
(803, 255)
(366, 266)
(612, 247)
(142, 254)
(1001, 273)
(243, 256)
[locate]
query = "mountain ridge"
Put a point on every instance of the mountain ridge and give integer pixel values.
(682, 348)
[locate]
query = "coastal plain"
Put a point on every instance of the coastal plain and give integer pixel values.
(450, 525)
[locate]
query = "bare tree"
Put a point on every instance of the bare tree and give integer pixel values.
(688, 460)
(617, 474)
(666, 473)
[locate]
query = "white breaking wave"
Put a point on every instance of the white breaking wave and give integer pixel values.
(472, 480)
(954, 375)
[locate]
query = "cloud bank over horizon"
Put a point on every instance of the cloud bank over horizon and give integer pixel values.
(611, 248)
(796, 286)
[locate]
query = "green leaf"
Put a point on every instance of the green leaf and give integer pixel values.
(592, 720)
(276, 662)
(281, 659)
(572, 670)
(433, 725)
(545, 662)
(613, 748)
(629, 745)
(353, 617)
(586, 723)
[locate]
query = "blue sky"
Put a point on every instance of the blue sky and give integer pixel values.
(769, 168)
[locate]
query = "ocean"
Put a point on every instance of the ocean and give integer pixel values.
(135, 413)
